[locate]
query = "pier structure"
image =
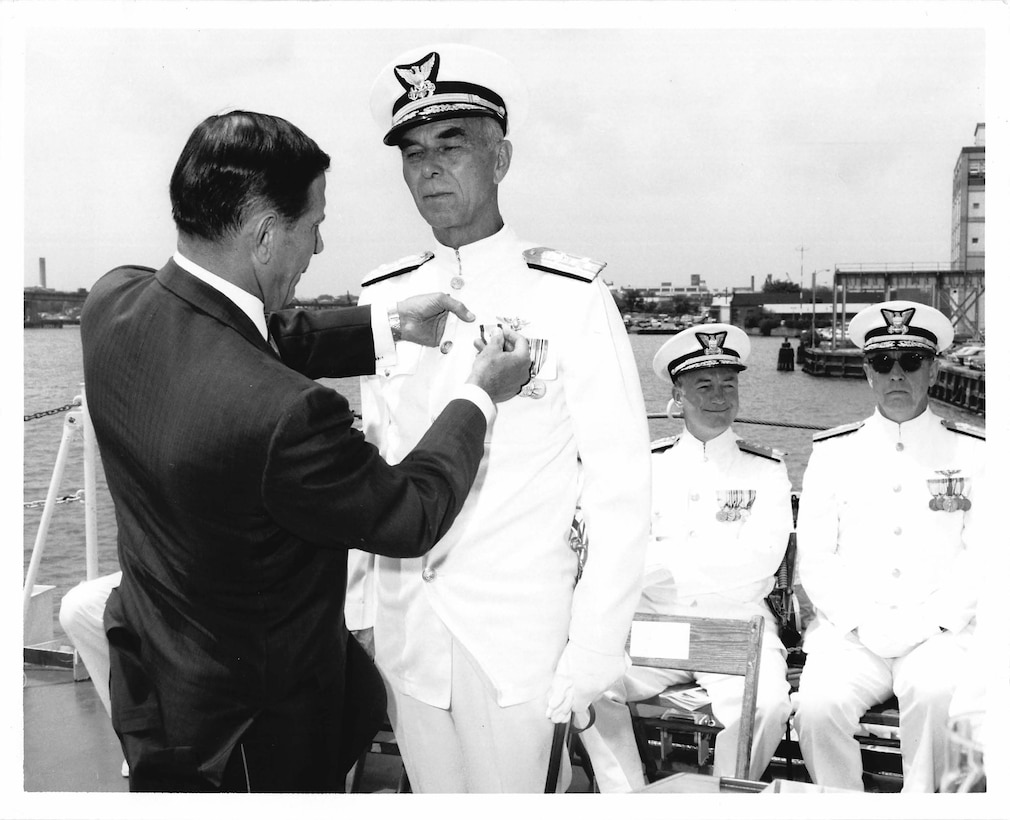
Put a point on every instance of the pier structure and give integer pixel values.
(45, 307)
(957, 293)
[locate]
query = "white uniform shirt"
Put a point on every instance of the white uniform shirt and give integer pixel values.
(501, 581)
(867, 538)
(699, 564)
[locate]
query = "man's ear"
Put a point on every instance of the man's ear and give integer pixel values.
(503, 160)
(264, 237)
(868, 372)
(934, 370)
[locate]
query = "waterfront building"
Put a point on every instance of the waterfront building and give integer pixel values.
(745, 308)
(967, 234)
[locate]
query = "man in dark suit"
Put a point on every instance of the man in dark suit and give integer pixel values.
(239, 483)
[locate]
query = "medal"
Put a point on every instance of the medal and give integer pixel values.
(456, 283)
(948, 492)
(534, 389)
(734, 504)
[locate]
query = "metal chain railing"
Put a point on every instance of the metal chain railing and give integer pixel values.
(74, 404)
(66, 499)
(658, 416)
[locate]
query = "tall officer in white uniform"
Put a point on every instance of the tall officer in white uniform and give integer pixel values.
(487, 640)
(886, 551)
(721, 518)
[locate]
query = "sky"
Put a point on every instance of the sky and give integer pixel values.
(662, 142)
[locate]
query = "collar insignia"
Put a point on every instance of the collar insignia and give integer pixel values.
(419, 79)
(712, 343)
(898, 320)
(516, 323)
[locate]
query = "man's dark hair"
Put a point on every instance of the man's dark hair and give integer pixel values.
(238, 162)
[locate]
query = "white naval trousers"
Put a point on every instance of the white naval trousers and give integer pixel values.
(474, 746)
(82, 613)
(842, 679)
(610, 741)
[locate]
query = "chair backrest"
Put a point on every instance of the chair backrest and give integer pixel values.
(723, 645)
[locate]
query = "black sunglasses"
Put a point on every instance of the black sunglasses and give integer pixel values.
(909, 361)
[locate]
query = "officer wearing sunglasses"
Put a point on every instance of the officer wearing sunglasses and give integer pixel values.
(889, 556)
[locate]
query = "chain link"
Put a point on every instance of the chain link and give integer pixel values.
(66, 499)
(73, 405)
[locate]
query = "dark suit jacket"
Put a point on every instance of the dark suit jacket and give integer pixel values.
(238, 485)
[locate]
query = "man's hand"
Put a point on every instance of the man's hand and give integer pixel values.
(502, 366)
(423, 318)
(580, 678)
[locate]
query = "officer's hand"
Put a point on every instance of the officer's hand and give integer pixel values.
(581, 677)
(502, 366)
(423, 318)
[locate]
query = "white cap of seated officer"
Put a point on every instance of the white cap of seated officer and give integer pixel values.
(901, 325)
(709, 345)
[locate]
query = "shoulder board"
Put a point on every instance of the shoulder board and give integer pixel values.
(840, 430)
(757, 450)
(662, 444)
(963, 429)
(563, 264)
(405, 265)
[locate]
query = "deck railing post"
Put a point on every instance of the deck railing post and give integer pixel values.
(71, 425)
(90, 492)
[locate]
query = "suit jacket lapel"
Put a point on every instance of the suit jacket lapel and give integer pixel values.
(210, 301)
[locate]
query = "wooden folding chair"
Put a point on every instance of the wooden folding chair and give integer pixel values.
(721, 645)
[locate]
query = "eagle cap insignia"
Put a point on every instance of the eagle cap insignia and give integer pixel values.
(419, 79)
(712, 343)
(898, 320)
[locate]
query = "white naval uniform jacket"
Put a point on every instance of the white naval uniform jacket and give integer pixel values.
(867, 539)
(502, 580)
(698, 564)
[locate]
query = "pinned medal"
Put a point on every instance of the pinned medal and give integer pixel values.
(514, 322)
(734, 505)
(948, 492)
(535, 388)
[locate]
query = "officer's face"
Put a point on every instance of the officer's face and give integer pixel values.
(709, 399)
(452, 170)
(902, 396)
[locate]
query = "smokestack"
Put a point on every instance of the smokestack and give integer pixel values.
(752, 283)
(42, 271)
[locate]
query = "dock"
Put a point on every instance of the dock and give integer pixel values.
(846, 364)
(961, 386)
(956, 384)
(55, 323)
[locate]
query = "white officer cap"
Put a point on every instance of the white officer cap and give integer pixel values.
(901, 325)
(709, 345)
(444, 81)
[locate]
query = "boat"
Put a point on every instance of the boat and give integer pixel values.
(70, 746)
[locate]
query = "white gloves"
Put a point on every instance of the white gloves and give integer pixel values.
(580, 678)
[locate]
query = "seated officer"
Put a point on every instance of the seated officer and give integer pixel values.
(887, 554)
(721, 517)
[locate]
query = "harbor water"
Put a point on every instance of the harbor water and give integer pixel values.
(53, 375)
